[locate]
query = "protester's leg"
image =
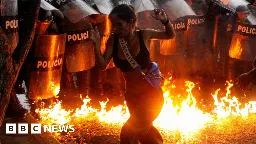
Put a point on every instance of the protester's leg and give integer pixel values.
(151, 108)
(128, 129)
(153, 137)
(141, 121)
(128, 133)
(137, 130)
(144, 107)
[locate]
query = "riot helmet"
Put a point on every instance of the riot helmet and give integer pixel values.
(44, 20)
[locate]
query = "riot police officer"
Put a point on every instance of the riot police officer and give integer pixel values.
(240, 52)
(46, 24)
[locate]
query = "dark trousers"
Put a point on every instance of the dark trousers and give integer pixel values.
(237, 67)
(144, 107)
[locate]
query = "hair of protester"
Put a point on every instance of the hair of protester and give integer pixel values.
(125, 12)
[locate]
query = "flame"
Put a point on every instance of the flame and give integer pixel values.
(229, 105)
(55, 89)
(175, 118)
(104, 39)
(54, 114)
(115, 114)
(168, 46)
(235, 49)
(106, 34)
(185, 117)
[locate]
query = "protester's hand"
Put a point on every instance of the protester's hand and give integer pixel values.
(244, 80)
(94, 34)
(159, 14)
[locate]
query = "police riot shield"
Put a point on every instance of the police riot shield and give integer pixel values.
(201, 45)
(9, 21)
(105, 6)
(90, 2)
(200, 7)
(144, 10)
(144, 5)
(241, 51)
(177, 12)
(176, 45)
(47, 6)
(176, 8)
(46, 67)
(76, 10)
(241, 47)
(80, 49)
(172, 51)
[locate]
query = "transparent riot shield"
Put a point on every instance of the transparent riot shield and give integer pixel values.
(176, 8)
(80, 50)
(105, 6)
(178, 12)
(77, 10)
(47, 6)
(241, 44)
(200, 45)
(241, 51)
(144, 10)
(46, 67)
(144, 5)
(90, 2)
(177, 45)
(172, 51)
(9, 21)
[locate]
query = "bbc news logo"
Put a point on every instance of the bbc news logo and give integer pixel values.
(36, 128)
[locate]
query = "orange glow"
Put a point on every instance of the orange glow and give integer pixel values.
(168, 47)
(215, 31)
(106, 34)
(185, 117)
(104, 39)
(235, 48)
(53, 88)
